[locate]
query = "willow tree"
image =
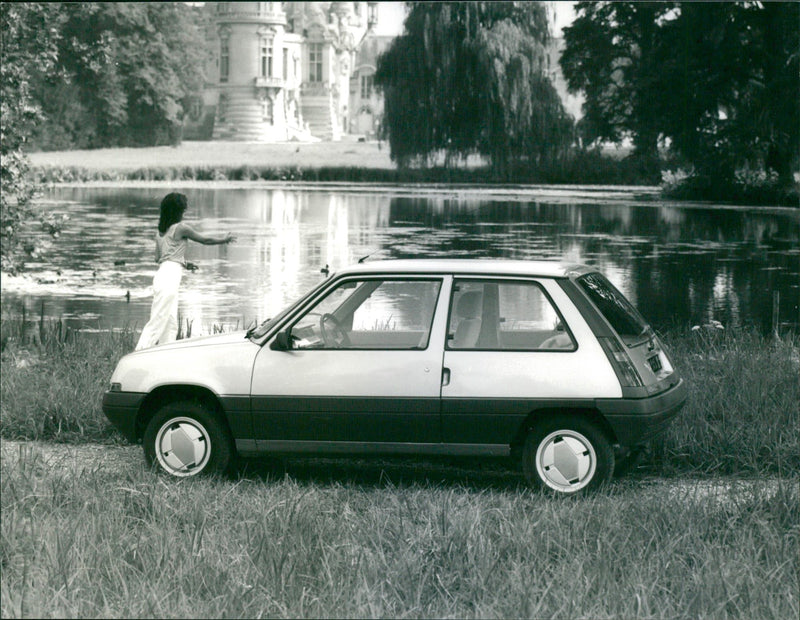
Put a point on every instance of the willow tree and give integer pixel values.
(470, 77)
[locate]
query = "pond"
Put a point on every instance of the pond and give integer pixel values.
(681, 264)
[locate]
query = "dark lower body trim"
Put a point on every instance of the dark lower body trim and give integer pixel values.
(121, 409)
(249, 447)
(634, 421)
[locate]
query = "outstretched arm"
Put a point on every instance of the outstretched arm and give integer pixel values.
(188, 232)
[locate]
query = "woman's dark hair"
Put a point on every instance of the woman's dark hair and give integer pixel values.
(172, 208)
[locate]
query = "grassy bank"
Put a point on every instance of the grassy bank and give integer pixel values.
(370, 162)
(98, 544)
(741, 416)
(347, 161)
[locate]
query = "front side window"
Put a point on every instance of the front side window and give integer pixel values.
(370, 314)
(505, 315)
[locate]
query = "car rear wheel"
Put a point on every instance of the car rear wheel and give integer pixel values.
(567, 454)
(184, 439)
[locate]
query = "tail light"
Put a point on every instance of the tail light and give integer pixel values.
(621, 361)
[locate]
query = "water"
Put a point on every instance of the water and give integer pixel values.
(681, 264)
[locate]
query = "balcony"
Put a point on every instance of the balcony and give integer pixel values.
(269, 82)
(268, 11)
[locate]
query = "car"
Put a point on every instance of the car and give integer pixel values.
(544, 362)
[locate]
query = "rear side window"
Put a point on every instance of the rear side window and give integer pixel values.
(617, 310)
(505, 315)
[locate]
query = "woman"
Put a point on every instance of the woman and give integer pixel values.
(171, 240)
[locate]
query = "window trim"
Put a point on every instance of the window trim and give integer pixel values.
(510, 280)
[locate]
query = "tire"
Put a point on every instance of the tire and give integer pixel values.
(568, 455)
(185, 439)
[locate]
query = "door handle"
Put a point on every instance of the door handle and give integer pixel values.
(445, 376)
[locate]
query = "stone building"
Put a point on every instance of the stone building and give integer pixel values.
(282, 71)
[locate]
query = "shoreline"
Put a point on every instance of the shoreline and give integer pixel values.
(631, 195)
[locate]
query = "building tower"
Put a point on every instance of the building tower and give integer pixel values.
(282, 70)
(257, 70)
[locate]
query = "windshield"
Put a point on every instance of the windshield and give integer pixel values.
(259, 332)
(617, 310)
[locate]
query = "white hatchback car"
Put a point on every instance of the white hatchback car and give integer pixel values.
(545, 362)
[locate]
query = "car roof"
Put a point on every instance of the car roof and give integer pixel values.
(470, 266)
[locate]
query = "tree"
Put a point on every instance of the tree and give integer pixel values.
(718, 79)
(469, 77)
(29, 39)
(123, 73)
(611, 55)
(735, 67)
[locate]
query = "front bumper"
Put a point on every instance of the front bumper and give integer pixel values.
(121, 409)
(635, 420)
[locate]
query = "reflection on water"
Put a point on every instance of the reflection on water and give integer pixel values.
(679, 264)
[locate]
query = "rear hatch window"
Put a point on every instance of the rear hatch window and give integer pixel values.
(644, 348)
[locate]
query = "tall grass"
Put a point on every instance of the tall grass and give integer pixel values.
(52, 380)
(579, 168)
(97, 543)
(741, 415)
(743, 410)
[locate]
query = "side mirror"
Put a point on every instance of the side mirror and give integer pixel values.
(282, 342)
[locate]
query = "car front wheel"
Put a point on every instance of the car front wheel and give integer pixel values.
(567, 454)
(184, 439)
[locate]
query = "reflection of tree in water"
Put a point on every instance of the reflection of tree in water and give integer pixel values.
(679, 265)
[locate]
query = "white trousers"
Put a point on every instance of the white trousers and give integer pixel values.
(163, 324)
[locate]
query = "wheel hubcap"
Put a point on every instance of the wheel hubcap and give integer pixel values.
(183, 447)
(566, 461)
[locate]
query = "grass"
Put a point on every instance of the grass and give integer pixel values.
(98, 544)
(408, 538)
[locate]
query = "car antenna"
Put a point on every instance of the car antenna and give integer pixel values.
(366, 256)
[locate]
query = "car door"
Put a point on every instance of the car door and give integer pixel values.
(513, 346)
(363, 368)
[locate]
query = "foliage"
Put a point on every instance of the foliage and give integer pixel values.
(468, 77)
(717, 81)
(122, 74)
(732, 71)
(28, 47)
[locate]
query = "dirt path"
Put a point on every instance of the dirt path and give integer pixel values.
(77, 458)
(120, 459)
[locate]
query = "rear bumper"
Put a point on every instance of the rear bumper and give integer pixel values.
(635, 420)
(121, 409)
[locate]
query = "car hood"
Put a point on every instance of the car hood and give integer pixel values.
(200, 341)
